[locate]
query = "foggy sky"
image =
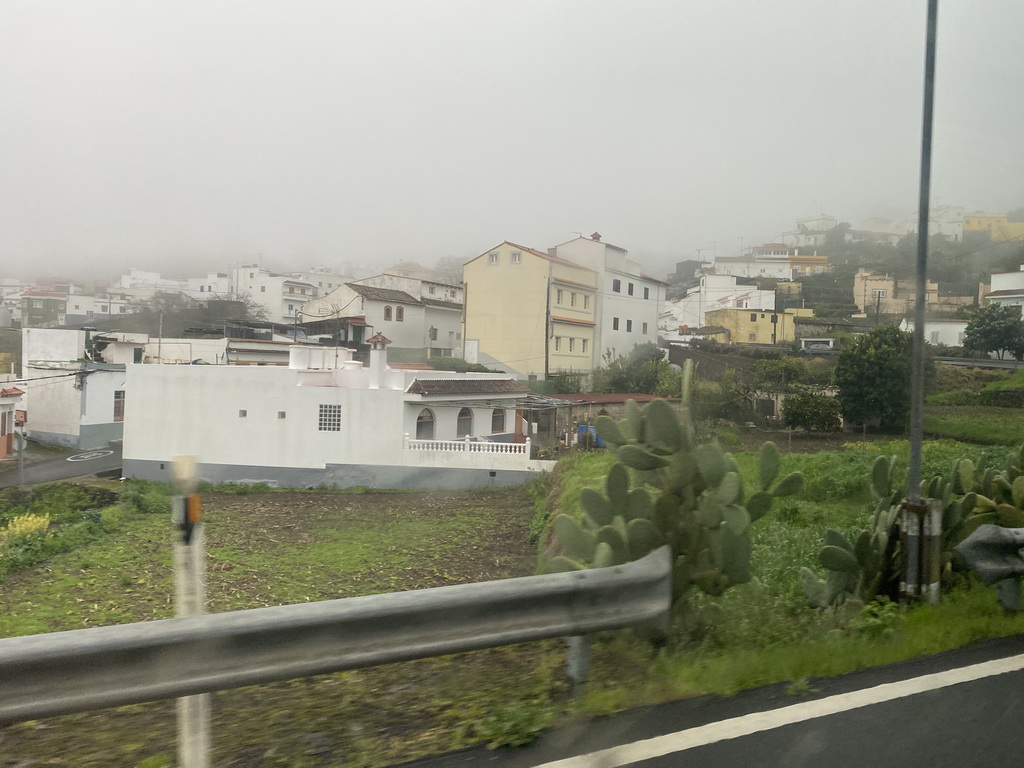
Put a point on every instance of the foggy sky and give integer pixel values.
(186, 136)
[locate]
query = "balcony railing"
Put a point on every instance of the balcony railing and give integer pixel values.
(468, 446)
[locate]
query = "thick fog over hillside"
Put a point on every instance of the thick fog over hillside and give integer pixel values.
(187, 136)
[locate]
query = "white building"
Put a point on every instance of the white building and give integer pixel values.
(948, 333)
(1007, 289)
(215, 285)
(73, 397)
(628, 301)
(280, 295)
(320, 422)
(714, 291)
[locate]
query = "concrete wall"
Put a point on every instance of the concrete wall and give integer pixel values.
(340, 475)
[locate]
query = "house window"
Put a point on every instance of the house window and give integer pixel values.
(330, 418)
(572, 344)
(586, 302)
(517, 257)
(935, 337)
(387, 313)
(281, 414)
(752, 337)
(263, 289)
(645, 329)
(492, 259)
(558, 343)
(615, 323)
(425, 425)
(960, 339)
(878, 293)
(242, 414)
(432, 333)
(400, 314)
(572, 299)
(464, 424)
(558, 296)
(617, 285)
(37, 305)
(119, 405)
(753, 317)
(584, 346)
(647, 292)
(498, 420)
(430, 290)
(629, 326)
(291, 289)
(121, 308)
(629, 289)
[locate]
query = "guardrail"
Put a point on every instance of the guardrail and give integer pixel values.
(66, 672)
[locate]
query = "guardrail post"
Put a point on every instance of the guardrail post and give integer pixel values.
(190, 600)
(577, 663)
(921, 536)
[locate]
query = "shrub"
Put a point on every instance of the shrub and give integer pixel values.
(811, 412)
(956, 397)
(1005, 393)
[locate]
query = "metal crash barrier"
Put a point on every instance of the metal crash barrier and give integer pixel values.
(996, 554)
(66, 672)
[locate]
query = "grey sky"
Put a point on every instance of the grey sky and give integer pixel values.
(184, 136)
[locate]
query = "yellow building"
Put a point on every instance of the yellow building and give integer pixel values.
(804, 264)
(755, 326)
(876, 294)
(995, 225)
(528, 312)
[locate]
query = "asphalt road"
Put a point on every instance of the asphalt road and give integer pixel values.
(63, 467)
(957, 708)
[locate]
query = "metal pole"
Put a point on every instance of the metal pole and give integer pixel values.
(21, 457)
(190, 600)
(917, 369)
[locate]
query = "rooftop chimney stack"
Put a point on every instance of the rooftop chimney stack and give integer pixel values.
(378, 359)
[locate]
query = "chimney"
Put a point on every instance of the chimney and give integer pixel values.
(378, 359)
(596, 236)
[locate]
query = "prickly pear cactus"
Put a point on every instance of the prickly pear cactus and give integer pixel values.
(667, 489)
(862, 568)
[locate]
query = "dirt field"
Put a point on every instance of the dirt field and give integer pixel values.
(278, 548)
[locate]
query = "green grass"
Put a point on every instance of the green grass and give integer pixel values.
(276, 548)
(978, 424)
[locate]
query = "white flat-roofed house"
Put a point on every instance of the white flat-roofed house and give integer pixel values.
(321, 422)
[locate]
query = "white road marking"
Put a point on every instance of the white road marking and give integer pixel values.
(89, 455)
(757, 722)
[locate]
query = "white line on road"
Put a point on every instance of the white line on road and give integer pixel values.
(757, 722)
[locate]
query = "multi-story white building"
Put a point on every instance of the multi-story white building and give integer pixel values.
(713, 292)
(628, 301)
(281, 296)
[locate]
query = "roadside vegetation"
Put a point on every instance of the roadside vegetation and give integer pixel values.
(275, 547)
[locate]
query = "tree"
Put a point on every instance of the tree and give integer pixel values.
(998, 329)
(638, 372)
(873, 376)
(812, 412)
(780, 374)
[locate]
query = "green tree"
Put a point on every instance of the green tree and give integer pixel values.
(811, 412)
(873, 376)
(638, 372)
(780, 374)
(996, 329)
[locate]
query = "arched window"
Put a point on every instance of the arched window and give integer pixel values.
(387, 313)
(425, 425)
(400, 314)
(498, 420)
(464, 427)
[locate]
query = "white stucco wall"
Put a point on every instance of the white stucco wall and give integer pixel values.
(176, 410)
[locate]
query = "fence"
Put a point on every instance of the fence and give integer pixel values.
(67, 672)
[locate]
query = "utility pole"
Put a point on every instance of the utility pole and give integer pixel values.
(922, 520)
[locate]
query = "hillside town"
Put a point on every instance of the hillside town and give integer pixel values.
(480, 367)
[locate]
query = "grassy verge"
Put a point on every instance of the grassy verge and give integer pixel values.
(284, 547)
(979, 424)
